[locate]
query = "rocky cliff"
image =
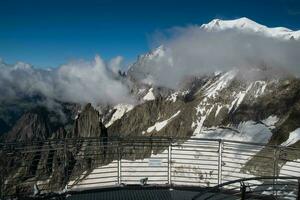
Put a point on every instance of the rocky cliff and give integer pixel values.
(88, 124)
(32, 126)
(52, 161)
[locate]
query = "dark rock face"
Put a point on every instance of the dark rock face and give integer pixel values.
(137, 121)
(3, 127)
(60, 133)
(54, 161)
(88, 124)
(88, 154)
(32, 126)
(39, 124)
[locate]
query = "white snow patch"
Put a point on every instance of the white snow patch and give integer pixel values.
(198, 124)
(149, 96)
(239, 98)
(293, 138)
(185, 92)
(78, 113)
(232, 104)
(141, 91)
(121, 109)
(271, 121)
(261, 87)
(248, 131)
(173, 97)
(218, 110)
(157, 53)
(202, 113)
(220, 84)
(160, 125)
(217, 73)
(242, 95)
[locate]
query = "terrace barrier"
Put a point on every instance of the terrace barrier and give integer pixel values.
(59, 166)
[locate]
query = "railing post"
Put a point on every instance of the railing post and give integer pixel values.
(66, 171)
(220, 162)
(2, 183)
(169, 163)
(119, 164)
(275, 162)
(243, 191)
(298, 196)
(275, 173)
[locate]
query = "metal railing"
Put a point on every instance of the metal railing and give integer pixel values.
(284, 188)
(80, 164)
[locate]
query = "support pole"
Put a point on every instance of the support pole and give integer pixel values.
(220, 162)
(169, 163)
(275, 173)
(119, 164)
(298, 196)
(243, 191)
(2, 183)
(66, 171)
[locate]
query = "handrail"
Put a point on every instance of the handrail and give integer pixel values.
(136, 138)
(217, 187)
(179, 161)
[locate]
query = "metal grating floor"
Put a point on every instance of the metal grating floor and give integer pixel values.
(139, 194)
(161, 194)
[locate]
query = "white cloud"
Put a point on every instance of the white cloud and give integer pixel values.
(78, 82)
(194, 51)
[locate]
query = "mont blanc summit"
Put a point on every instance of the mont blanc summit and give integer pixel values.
(247, 25)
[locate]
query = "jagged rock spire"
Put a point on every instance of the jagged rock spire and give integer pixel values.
(88, 123)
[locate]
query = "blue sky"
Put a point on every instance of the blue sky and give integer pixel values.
(49, 33)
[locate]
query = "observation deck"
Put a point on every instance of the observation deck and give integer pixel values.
(148, 168)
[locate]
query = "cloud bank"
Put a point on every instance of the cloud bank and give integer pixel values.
(194, 51)
(186, 52)
(77, 82)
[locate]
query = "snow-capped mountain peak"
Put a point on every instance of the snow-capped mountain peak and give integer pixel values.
(248, 25)
(159, 51)
(155, 53)
(218, 24)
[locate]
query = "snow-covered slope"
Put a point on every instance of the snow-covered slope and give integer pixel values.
(293, 138)
(149, 96)
(160, 125)
(119, 110)
(247, 25)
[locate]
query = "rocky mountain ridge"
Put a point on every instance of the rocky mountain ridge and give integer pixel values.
(218, 101)
(222, 105)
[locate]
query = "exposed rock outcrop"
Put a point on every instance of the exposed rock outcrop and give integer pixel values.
(88, 124)
(32, 126)
(3, 127)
